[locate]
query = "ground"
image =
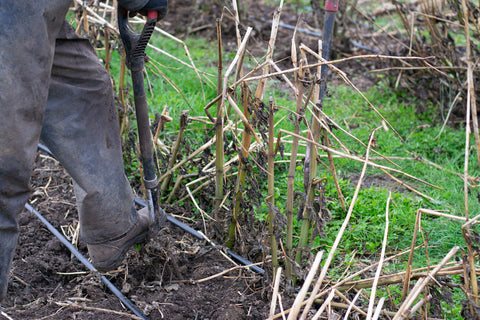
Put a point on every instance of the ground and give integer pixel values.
(49, 283)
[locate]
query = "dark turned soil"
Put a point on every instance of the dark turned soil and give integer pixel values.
(49, 283)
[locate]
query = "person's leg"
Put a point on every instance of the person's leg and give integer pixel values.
(81, 129)
(27, 35)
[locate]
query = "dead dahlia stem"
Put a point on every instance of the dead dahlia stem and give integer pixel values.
(220, 59)
(380, 264)
(331, 254)
(219, 130)
(77, 306)
(406, 185)
(276, 287)
(219, 162)
(351, 305)
(420, 285)
(242, 169)
(237, 21)
(467, 235)
(122, 92)
(190, 156)
(343, 283)
(348, 156)
(297, 304)
(164, 118)
(271, 45)
(175, 149)
(330, 63)
(194, 191)
(107, 50)
(271, 187)
(175, 188)
(471, 103)
(83, 22)
(334, 171)
(310, 174)
(406, 281)
(299, 77)
(324, 305)
(219, 124)
(397, 278)
(344, 77)
(470, 82)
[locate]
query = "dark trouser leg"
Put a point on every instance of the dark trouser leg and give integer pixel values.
(81, 129)
(8, 240)
(27, 35)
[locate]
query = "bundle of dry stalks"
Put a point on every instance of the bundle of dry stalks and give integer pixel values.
(247, 120)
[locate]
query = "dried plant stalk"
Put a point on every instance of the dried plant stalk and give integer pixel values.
(249, 78)
(122, 93)
(341, 198)
(242, 169)
(175, 188)
(471, 99)
(271, 187)
(310, 167)
(219, 125)
(339, 235)
(324, 305)
(467, 235)
(378, 310)
(348, 156)
(175, 149)
(351, 305)
(191, 156)
(276, 287)
(420, 285)
(380, 264)
(397, 278)
(246, 123)
(271, 45)
(297, 304)
(406, 282)
(299, 113)
(108, 56)
(344, 77)
(471, 108)
(219, 154)
(346, 285)
(164, 118)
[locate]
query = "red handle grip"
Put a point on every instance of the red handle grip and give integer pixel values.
(331, 5)
(152, 15)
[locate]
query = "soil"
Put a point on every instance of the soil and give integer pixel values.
(49, 283)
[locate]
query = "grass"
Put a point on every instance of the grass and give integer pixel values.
(419, 132)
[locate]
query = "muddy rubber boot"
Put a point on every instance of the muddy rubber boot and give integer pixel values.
(109, 255)
(8, 241)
